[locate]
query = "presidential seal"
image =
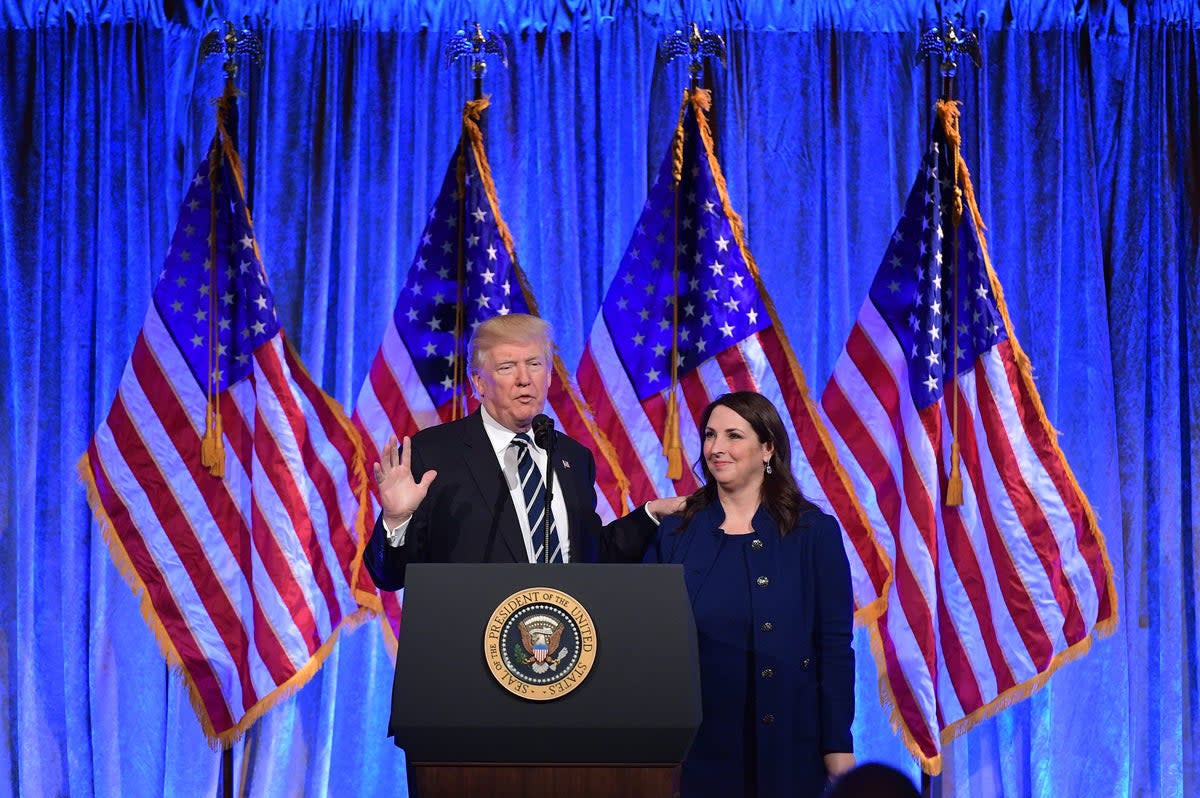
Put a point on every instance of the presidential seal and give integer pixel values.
(540, 643)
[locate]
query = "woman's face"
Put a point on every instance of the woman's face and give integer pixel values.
(733, 452)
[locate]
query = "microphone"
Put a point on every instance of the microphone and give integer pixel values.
(544, 436)
(543, 431)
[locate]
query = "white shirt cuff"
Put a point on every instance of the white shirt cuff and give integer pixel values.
(395, 536)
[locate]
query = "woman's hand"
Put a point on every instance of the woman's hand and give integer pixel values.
(837, 764)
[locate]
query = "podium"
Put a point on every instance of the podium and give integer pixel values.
(620, 702)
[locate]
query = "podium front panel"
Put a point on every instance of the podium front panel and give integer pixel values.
(640, 703)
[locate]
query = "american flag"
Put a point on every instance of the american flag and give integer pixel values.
(245, 579)
(992, 595)
(687, 319)
(465, 271)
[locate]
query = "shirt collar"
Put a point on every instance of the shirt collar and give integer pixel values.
(499, 435)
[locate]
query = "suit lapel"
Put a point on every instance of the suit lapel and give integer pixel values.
(564, 485)
(493, 488)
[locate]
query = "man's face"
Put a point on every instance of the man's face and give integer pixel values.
(512, 382)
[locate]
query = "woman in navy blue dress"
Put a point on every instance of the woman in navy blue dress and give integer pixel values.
(770, 590)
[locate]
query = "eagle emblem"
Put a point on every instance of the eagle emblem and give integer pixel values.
(540, 636)
(539, 643)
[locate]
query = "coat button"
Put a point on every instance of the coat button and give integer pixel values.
(768, 718)
(763, 581)
(756, 544)
(805, 663)
(766, 627)
(767, 673)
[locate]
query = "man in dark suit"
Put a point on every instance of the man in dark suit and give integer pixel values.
(473, 490)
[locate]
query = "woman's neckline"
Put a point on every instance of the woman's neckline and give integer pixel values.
(725, 531)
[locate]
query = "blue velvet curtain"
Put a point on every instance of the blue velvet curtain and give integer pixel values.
(1083, 133)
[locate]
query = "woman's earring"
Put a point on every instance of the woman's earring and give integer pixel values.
(768, 468)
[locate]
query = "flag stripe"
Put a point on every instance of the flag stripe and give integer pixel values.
(821, 462)
(952, 534)
(281, 516)
(567, 414)
(160, 403)
(327, 421)
(382, 383)
(1030, 511)
(287, 432)
(846, 422)
(1028, 623)
(737, 372)
(277, 637)
(189, 553)
(641, 486)
(1014, 573)
(963, 674)
(1054, 534)
(321, 438)
(899, 681)
(1086, 535)
(280, 587)
(271, 523)
(168, 612)
(913, 594)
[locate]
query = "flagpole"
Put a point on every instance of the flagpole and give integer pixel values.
(228, 44)
(695, 46)
(476, 45)
(946, 43)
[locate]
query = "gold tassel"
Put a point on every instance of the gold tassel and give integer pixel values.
(672, 446)
(954, 493)
(212, 445)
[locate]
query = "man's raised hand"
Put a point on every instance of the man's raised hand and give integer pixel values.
(399, 493)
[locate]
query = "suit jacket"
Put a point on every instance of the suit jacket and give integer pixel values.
(468, 515)
(796, 700)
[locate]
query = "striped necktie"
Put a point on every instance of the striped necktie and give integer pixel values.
(534, 489)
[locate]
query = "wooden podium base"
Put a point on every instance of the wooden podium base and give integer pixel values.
(486, 780)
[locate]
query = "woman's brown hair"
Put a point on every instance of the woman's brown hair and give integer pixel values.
(780, 495)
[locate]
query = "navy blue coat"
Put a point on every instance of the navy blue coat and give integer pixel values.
(797, 701)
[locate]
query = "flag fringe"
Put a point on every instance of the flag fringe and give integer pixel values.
(701, 102)
(948, 113)
(474, 136)
(1013, 695)
(930, 764)
(391, 642)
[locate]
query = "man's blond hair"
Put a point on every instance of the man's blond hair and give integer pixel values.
(515, 328)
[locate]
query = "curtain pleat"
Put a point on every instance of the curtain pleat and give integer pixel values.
(1082, 131)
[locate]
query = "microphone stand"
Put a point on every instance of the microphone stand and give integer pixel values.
(548, 437)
